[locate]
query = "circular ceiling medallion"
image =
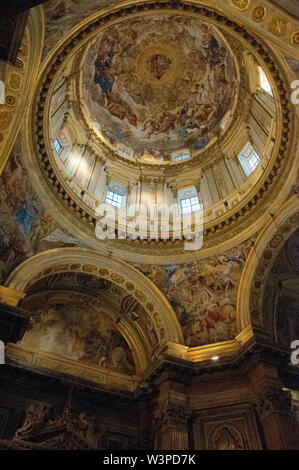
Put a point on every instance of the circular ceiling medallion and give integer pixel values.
(158, 84)
(157, 64)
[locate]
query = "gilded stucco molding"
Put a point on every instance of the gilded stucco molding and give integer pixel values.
(99, 265)
(267, 19)
(140, 348)
(61, 366)
(19, 82)
(10, 296)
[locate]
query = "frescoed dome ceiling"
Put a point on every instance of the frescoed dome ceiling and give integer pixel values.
(128, 95)
(158, 84)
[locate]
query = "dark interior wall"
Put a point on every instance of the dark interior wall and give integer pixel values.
(118, 415)
(13, 7)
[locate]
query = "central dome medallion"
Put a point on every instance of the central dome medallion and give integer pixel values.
(158, 84)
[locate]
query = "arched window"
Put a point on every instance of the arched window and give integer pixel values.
(188, 200)
(57, 145)
(264, 82)
(114, 199)
(124, 151)
(116, 195)
(225, 120)
(249, 159)
(180, 155)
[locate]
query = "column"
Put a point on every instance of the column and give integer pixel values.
(171, 416)
(274, 409)
(171, 425)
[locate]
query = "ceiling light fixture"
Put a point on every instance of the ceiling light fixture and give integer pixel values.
(215, 358)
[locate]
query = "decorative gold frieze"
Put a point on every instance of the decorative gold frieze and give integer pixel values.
(10, 100)
(295, 38)
(259, 13)
(14, 81)
(241, 5)
(278, 26)
(5, 119)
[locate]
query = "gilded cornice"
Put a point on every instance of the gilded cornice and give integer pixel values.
(256, 15)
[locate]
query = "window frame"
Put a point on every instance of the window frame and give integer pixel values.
(246, 161)
(181, 155)
(191, 205)
(60, 146)
(179, 158)
(117, 200)
(256, 162)
(264, 83)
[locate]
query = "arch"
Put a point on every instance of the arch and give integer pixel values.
(260, 257)
(91, 262)
(138, 345)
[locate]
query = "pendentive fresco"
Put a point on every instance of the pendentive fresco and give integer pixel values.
(203, 294)
(26, 227)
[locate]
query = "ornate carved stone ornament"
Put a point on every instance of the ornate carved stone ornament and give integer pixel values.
(173, 415)
(279, 26)
(227, 437)
(63, 432)
(295, 39)
(259, 13)
(273, 401)
(241, 5)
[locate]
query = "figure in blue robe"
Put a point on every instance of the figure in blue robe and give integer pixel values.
(25, 216)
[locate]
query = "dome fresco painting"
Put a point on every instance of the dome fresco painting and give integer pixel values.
(150, 109)
(159, 83)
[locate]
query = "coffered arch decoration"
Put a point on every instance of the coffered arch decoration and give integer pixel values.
(283, 224)
(18, 81)
(231, 219)
(82, 260)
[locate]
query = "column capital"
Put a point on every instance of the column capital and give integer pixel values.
(173, 415)
(273, 400)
